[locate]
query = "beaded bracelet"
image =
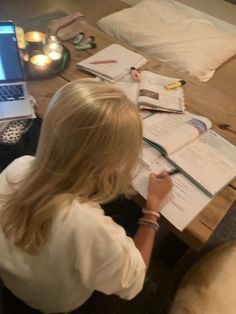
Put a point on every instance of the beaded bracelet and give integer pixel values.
(148, 221)
(150, 225)
(151, 212)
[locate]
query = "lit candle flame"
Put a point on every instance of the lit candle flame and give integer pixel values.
(35, 36)
(40, 60)
(53, 50)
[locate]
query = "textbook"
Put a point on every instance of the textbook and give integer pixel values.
(121, 60)
(189, 143)
(154, 96)
(184, 202)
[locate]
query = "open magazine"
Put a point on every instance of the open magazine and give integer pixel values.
(153, 95)
(149, 84)
(190, 145)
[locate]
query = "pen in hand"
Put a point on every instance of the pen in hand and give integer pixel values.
(172, 172)
(168, 173)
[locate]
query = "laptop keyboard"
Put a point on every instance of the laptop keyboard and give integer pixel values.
(11, 92)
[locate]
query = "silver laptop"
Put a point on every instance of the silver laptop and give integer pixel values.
(14, 98)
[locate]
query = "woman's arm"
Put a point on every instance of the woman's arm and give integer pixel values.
(159, 186)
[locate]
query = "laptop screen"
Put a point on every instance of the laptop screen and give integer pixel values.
(10, 63)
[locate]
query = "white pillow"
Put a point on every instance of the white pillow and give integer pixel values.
(168, 32)
(209, 287)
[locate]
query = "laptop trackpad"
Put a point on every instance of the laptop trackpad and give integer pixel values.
(12, 109)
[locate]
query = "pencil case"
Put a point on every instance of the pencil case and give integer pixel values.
(68, 27)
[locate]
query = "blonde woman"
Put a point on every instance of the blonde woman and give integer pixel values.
(57, 246)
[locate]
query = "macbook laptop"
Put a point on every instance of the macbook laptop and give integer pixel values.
(14, 98)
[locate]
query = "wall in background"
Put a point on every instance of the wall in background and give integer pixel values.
(231, 1)
(218, 8)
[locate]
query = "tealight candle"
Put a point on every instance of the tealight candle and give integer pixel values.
(40, 60)
(51, 39)
(34, 37)
(53, 50)
(35, 40)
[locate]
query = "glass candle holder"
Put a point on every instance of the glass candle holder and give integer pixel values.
(53, 50)
(51, 39)
(40, 61)
(35, 40)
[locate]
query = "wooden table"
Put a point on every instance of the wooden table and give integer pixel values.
(200, 98)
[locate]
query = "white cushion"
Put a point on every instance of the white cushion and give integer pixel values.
(167, 31)
(209, 287)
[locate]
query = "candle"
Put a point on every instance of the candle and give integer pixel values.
(34, 40)
(53, 50)
(51, 39)
(34, 37)
(40, 60)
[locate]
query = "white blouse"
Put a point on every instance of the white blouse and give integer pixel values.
(87, 251)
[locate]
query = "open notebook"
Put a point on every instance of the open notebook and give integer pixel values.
(112, 72)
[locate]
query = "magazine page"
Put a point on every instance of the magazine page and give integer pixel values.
(154, 96)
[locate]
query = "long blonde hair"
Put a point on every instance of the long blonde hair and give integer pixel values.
(89, 143)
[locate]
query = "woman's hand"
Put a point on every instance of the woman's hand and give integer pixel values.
(159, 186)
